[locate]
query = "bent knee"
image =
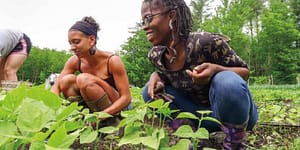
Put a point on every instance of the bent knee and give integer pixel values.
(67, 80)
(228, 80)
(228, 84)
(86, 83)
(83, 79)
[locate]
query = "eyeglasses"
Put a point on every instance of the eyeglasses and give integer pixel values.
(148, 19)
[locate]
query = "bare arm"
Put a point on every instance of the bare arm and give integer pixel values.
(118, 71)
(69, 68)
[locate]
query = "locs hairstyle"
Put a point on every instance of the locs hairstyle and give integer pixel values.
(183, 22)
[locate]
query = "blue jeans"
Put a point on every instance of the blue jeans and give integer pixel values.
(230, 101)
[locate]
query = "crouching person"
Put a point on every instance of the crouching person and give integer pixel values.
(102, 83)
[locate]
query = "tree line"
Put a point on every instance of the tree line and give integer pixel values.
(265, 33)
(41, 63)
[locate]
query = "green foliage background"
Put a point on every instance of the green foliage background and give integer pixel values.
(265, 33)
(41, 63)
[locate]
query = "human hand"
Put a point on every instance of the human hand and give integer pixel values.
(156, 88)
(154, 78)
(202, 74)
(159, 92)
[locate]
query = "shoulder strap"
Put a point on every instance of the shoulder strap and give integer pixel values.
(108, 64)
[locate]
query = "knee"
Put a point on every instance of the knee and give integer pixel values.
(82, 80)
(228, 80)
(84, 83)
(228, 84)
(66, 81)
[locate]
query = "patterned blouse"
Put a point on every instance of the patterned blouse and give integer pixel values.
(200, 48)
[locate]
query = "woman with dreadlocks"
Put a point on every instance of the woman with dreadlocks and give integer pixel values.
(198, 71)
(102, 83)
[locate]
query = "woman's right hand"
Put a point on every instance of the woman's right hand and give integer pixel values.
(153, 81)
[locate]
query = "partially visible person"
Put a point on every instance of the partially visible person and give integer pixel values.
(15, 47)
(102, 83)
(51, 80)
(198, 71)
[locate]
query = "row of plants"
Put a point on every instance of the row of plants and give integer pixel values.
(279, 117)
(34, 118)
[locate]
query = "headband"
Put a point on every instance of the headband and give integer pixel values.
(85, 27)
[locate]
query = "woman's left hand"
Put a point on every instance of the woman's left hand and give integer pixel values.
(202, 74)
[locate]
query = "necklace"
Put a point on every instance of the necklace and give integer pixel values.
(173, 58)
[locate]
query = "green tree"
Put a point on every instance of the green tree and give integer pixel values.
(41, 63)
(295, 5)
(232, 19)
(276, 52)
(134, 55)
(199, 12)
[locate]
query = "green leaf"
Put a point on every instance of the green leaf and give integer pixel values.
(90, 118)
(203, 112)
(37, 146)
(108, 130)
(88, 136)
(73, 125)
(4, 140)
(276, 108)
(186, 115)
(201, 133)
(50, 99)
(55, 148)
(9, 134)
(40, 136)
(131, 136)
(32, 110)
(292, 122)
(182, 144)
(7, 128)
(156, 104)
(164, 142)
(212, 119)
(102, 115)
(153, 141)
(133, 116)
(150, 142)
(60, 138)
(67, 111)
(184, 131)
(8, 146)
(14, 98)
(277, 119)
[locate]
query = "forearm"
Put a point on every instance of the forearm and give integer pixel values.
(110, 91)
(121, 103)
(243, 72)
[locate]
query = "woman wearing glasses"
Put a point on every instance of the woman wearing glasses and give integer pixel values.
(102, 83)
(200, 71)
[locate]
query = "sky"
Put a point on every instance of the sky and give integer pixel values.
(47, 22)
